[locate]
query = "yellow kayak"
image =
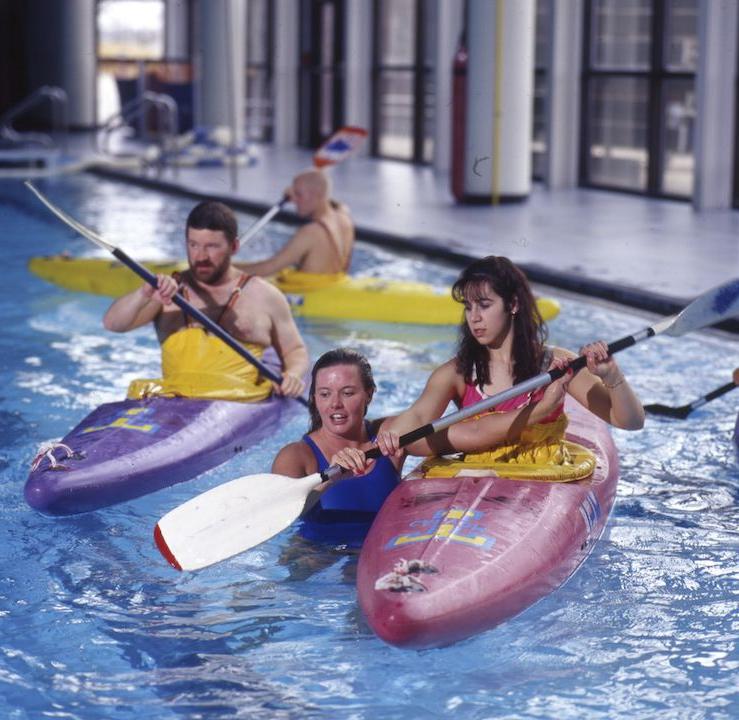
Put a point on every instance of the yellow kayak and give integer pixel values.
(98, 276)
(313, 296)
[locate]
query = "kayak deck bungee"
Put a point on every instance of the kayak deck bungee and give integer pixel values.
(344, 298)
(134, 447)
(123, 450)
(447, 558)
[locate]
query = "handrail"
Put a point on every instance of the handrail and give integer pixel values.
(166, 110)
(58, 98)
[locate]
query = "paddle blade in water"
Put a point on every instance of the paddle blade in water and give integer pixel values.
(684, 410)
(231, 518)
(665, 410)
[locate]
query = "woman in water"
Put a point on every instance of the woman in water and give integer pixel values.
(341, 390)
(502, 343)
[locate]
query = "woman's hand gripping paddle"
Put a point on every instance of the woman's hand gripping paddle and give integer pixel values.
(143, 273)
(336, 149)
(242, 513)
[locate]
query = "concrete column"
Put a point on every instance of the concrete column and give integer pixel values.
(63, 53)
(285, 77)
(500, 37)
(449, 15)
(358, 86)
(220, 54)
(176, 39)
(716, 100)
(563, 94)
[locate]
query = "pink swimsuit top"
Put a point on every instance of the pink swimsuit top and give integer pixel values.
(473, 393)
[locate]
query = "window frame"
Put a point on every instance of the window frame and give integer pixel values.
(421, 74)
(656, 76)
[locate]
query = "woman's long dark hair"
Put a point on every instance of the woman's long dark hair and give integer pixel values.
(529, 329)
(339, 356)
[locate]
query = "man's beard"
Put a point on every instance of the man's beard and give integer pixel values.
(208, 273)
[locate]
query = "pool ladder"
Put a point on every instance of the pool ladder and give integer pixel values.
(137, 110)
(32, 147)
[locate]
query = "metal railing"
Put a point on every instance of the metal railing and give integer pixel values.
(59, 122)
(165, 116)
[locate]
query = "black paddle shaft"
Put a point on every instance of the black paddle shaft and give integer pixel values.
(718, 392)
(204, 320)
(526, 386)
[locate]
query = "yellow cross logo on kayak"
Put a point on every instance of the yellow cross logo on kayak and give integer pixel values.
(454, 525)
(124, 421)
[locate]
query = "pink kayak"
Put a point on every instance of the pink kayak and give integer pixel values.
(447, 558)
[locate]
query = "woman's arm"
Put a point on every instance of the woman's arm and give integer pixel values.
(443, 386)
(294, 460)
(486, 431)
(602, 387)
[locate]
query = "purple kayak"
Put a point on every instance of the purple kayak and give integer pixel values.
(123, 450)
(736, 432)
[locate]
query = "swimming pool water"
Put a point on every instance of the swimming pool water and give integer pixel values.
(96, 625)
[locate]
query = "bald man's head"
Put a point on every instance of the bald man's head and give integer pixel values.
(311, 190)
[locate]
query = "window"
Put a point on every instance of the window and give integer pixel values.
(131, 60)
(259, 94)
(403, 83)
(321, 70)
(639, 96)
(130, 29)
(541, 81)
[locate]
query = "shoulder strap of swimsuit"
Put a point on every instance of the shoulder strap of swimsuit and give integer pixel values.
(320, 457)
(184, 290)
(334, 242)
(243, 279)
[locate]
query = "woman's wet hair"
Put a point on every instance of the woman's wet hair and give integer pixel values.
(214, 215)
(339, 356)
(529, 330)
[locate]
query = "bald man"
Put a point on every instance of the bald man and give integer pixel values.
(324, 244)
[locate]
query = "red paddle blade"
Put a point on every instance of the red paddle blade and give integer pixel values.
(339, 146)
(161, 543)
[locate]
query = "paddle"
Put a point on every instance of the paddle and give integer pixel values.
(242, 513)
(684, 410)
(149, 277)
(335, 150)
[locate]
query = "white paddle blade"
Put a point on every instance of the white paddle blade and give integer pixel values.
(79, 227)
(231, 518)
(713, 306)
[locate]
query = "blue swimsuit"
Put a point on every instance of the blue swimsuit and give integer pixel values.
(345, 512)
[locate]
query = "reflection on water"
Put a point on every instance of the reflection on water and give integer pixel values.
(96, 624)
